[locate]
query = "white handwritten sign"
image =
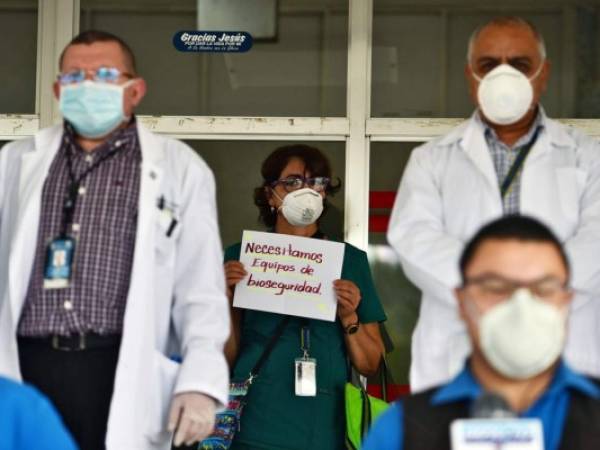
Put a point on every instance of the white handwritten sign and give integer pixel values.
(289, 275)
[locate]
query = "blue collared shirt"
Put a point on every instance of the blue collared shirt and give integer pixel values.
(551, 408)
(29, 421)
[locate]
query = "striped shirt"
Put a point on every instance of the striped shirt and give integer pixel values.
(504, 156)
(104, 228)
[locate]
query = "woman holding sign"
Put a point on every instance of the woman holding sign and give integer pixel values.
(297, 400)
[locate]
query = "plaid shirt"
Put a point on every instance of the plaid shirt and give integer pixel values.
(504, 157)
(104, 227)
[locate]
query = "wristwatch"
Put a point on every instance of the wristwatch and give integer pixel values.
(352, 328)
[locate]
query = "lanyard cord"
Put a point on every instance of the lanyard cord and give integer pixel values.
(305, 338)
(516, 167)
(73, 189)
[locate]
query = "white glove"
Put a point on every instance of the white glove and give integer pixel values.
(193, 416)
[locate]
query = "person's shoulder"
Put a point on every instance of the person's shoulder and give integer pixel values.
(387, 431)
(447, 140)
(15, 394)
(353, 252)
(434, 154)
(176, 152)
(17, 147)
(563, 135)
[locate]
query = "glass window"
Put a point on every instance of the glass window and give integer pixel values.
(430, 82)
(18, 48)
(236, 183)
(299, 72)
(400, 298)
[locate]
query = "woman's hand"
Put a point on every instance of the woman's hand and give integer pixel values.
(234, 273)
(348, 297)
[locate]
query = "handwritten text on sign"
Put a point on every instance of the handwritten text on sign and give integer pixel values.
(289, 275)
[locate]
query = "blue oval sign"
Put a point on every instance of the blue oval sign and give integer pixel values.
(212, 41)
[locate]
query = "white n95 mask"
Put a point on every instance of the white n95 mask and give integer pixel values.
(522, 336)
(302, 207)
(505, 94)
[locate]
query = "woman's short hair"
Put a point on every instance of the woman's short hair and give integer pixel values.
(315, 162)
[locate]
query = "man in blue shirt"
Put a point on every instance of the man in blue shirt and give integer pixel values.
(514, 300)
(29, 421)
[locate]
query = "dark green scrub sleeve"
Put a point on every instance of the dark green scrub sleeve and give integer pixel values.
(356, 268)
(232, 253)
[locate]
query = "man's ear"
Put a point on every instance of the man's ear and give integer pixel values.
(138, 91)
(545, 76)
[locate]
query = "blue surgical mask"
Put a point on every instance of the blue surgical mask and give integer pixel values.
(94, 109)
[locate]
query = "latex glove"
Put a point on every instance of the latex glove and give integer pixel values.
(192, 417)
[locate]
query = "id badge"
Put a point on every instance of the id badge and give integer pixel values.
(59, 263)
(306, 377)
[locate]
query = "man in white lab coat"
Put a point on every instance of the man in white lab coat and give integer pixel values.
(508, 158)
(110, 263)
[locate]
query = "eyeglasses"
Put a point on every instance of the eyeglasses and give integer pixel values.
(490, 290)
(101, 75)
(484, 65)
(293, 183)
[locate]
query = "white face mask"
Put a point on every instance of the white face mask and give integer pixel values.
(302, 207)
(505, 94)
(522, 336)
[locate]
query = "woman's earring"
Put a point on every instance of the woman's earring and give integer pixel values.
(272, 210)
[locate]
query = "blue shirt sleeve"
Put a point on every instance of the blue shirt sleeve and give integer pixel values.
(28, 420)
(387, 433)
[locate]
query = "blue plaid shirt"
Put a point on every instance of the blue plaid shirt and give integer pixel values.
(504, 156)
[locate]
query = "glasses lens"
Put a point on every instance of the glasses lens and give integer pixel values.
(75, 76)
(318, 183)
(548, 289)
(292, 183)
(107, 75)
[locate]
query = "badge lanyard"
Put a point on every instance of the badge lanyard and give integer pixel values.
(514, 170)
(305, 366)
(59, 254)
(73, 189)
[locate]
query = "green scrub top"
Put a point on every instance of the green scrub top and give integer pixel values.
(274, 417)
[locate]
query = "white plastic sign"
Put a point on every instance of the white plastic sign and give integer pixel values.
(497, 434)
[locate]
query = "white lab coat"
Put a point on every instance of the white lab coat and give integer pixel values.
(176, 300)
(449, 190)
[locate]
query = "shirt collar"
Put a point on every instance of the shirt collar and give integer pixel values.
(466, 387)
(127, 137)
(492, 137)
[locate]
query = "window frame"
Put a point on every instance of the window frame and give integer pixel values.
(58, 21)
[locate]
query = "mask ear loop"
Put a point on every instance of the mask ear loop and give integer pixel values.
(533, 77)
(123, 87)
(538, 71)
(278, 198)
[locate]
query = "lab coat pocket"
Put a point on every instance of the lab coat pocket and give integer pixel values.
(571, 184)
(164, 375)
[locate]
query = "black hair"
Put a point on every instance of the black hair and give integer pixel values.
(512, 227)
(314, 161)
(91, 36)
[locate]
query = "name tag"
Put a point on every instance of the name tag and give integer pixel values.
(493, 434)
(306, 377)
(59, 263)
